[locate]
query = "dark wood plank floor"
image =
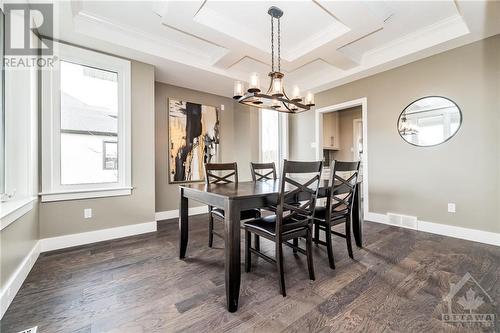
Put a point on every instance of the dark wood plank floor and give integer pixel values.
(397, 283)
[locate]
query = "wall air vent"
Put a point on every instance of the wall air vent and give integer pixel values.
(30, 330)
(404, 221)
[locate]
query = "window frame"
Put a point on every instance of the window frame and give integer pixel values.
(3, 161)
(52, 189)
(283, 137)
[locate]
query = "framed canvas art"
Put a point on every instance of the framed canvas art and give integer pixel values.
(193, 136)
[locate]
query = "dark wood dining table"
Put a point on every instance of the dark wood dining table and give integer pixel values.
(233, 198)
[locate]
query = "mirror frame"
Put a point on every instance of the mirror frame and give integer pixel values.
(437, 144)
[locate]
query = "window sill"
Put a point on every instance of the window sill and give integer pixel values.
(86, 194)
(14, 209)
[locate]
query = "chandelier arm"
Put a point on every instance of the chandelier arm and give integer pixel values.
(297, 104)
(286, 106)
(248, 97)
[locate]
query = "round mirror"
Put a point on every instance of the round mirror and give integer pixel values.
(429, 121)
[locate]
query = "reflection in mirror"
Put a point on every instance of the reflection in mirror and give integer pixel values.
(429, 121)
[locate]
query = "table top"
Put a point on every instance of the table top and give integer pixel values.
(246, 189)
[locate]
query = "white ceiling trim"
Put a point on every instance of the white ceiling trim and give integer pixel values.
(444, 30)
(90, 24)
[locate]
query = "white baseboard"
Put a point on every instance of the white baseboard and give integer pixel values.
(173, 214)
(474, 235)
(61, 242)
(376, 217)
(16, 280)
(480, 236)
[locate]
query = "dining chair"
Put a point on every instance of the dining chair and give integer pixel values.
(338, 208)
(290, 221)
(263, 171)
(223, 173)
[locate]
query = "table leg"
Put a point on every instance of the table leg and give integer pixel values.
(183, 224)
(232, 253)
(357, 217)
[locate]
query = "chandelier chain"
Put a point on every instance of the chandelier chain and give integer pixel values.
(272, 44)
(279, 46)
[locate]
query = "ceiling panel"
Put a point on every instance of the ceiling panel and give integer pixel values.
(250, 23)
(401, 18)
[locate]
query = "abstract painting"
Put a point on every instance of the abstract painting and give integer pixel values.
(193, 139)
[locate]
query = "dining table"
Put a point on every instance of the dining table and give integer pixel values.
(235, 197)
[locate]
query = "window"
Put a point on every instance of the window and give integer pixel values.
(273, 137)
(86, 120)
(89, 114)
(2, 109)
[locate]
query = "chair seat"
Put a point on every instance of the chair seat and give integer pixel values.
(245, 214)
(267, 225)
(336, 216)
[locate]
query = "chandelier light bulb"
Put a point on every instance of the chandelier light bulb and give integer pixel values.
(275, 104)
(277, 90)
(254, 85)
(296, 94)
(238, 90)
(310, 99)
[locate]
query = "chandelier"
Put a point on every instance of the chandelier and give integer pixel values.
(275, 97)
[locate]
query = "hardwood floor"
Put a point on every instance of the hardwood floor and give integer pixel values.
(397, 283)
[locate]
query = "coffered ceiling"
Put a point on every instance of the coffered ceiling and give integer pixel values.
(205, 45)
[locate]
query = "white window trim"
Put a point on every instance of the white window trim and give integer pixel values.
(283, 150)
(20, 196)
(13, 210)
(52, 189)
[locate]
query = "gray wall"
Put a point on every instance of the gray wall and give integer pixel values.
(16, 241)
(421, 181)
(66, 217)
(239, 137)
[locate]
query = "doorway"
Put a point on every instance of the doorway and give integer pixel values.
(357, 138)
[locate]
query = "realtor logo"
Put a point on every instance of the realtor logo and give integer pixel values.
(469, 305)
(22, 20)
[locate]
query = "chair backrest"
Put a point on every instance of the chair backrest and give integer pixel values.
(263, 171)
(343, 179)
(299, 180)
(221, 173)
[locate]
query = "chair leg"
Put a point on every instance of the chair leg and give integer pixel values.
(329, 246)
(248, 254)
(316, 232)
(257, 237)
(257, 242)
(348, 236)
(279, 264)
(210, 228)
(295, 243)
(309, 253)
